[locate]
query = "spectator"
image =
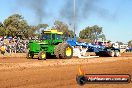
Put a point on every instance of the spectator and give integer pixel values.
(2, 49)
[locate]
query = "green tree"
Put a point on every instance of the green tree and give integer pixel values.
(42, 27)
(15, 25)
(2, 30)
(102, 36)
(60, 26)
(130, 43)
(71, 33)
(92, 33)
(30, 32)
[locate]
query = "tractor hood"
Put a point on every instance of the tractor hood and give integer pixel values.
(44, 42)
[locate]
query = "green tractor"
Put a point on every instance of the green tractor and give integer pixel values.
(50, 44)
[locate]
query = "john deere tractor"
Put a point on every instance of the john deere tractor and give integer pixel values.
(50, 43)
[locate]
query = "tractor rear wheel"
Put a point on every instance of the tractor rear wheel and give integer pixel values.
(42, 55)
(57, 50)
(66, 51)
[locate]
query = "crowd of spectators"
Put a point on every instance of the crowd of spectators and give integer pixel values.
(13, 44)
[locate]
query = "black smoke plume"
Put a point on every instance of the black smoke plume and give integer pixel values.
(37, 6)
(85, 8)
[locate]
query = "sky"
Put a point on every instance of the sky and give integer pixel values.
(115, 16)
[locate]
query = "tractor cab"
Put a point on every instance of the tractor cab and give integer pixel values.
(52, 36)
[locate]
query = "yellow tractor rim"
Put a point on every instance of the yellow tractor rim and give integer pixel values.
(68, 51)
(43, 55)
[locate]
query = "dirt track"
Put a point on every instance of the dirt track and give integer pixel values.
(52, 73)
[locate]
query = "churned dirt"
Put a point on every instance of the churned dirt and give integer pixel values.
(19, 72)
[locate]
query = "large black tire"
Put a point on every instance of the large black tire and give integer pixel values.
(29, 55)
(57, 50)
(42, 55)
(63, 51)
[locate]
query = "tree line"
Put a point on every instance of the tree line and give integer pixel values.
(16, 25)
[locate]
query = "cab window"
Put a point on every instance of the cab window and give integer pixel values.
(53, 36)
(58, 36)
(45, 36)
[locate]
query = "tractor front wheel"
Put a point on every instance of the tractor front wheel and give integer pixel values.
(29, 55)
(42, 55)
